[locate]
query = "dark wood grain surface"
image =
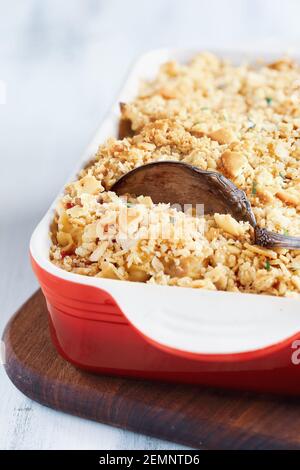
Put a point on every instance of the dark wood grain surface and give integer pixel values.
(196, 416)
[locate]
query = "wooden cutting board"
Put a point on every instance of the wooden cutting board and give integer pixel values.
(196, 416)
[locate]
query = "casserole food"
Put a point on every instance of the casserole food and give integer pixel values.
(157, 331)
(242, 121)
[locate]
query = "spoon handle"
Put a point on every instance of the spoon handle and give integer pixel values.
(268, 239)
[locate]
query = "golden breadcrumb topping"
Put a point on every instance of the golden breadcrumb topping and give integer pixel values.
(242, 121)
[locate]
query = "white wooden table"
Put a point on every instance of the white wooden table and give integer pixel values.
(63, 62)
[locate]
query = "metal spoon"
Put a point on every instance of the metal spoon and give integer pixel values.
(180, 183)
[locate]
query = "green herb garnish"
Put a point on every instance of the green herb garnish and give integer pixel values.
(267, 265)
(269, 100)
(282, 175)
(285, 232)
(254, 185)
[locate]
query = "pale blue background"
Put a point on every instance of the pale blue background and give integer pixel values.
(63, 63)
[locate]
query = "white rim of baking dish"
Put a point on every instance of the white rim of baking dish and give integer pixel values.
(182, 318)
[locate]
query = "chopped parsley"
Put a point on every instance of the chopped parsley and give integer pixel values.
(269, 100)
(254, 185)
(285, 232)
(267, 265)
(282, 175)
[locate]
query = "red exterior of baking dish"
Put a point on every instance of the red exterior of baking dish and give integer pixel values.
(90, 330)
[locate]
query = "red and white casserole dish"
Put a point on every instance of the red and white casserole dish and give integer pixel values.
(233, 340)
